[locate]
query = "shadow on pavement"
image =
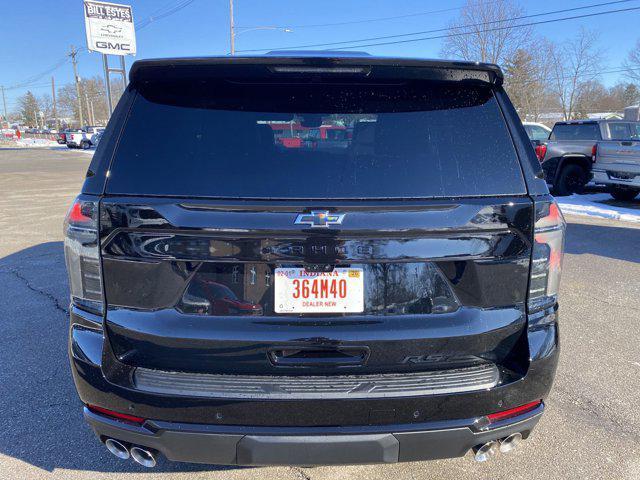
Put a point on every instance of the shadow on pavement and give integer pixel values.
(619, 242)
(41, 422)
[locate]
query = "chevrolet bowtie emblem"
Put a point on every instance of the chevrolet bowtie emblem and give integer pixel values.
(319, 219)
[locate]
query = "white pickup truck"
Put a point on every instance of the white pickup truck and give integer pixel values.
(86, 138)
(617, 162)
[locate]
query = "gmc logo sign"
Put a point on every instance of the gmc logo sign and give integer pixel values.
(125, 47)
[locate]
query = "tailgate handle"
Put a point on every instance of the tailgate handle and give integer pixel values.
(318, 356)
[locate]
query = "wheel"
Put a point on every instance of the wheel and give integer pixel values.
(572, 179)
(624, 194)
(69, 146)
(85, 145)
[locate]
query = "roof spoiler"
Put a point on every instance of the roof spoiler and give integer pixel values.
(286, 64)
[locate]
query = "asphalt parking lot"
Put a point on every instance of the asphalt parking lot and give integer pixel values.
(591, 428)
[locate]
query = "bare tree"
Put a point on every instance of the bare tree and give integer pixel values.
(93, 100)
(486, 32)
(632, 64)
(526, 73)
(46, 107)
(593, 97)
(573, 64)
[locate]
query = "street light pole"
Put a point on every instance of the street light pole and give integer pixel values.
(55, 108)
(232, 32)
(4, 101)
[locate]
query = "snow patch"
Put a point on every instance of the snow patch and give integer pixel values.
(36, 142)
(590, 206)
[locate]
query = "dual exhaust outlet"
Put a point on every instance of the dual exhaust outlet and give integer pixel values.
(142, 455)
(490, 449)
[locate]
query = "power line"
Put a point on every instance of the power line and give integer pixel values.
(139, 26)
(34, 78)
(496, 29)
(456, 34)
(379, 19)
(159, 16)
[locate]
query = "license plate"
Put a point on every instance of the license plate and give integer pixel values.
(300, 291)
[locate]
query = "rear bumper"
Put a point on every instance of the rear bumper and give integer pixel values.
(211, 444)
(602, 177)
(306, 432)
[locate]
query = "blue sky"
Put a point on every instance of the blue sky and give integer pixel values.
(38, 33)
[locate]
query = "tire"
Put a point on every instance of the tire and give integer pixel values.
(572, 179)
(624, 194)
(85, 145)
(69, 146)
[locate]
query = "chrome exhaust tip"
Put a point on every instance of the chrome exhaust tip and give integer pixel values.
(509, 443)
(144, 457)
(117, 448)
(486, 451)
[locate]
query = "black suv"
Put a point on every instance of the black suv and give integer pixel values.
(342, 260)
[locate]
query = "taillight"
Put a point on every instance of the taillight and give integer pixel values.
(81, 255)
(513, 412)
(541, 151)
(594, 153)
(116, 415)
(546, 259)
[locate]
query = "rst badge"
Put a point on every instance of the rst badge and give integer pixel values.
(319, 219)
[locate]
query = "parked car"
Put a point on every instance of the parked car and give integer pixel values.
(84, 139)
(617, 161)
(567, 158)
(7, 132)
(61, 138)
(393, 303)
(92, 129)
(537, 131)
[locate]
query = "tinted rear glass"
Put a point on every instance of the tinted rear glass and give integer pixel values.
(576, 131)
(225, 139)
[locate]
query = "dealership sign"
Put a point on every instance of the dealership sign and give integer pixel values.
(110, 28)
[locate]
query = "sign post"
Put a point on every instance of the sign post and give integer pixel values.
(110, 31)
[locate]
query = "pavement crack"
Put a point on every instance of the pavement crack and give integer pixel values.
(611, 304)
(300, 473)
(39, 291)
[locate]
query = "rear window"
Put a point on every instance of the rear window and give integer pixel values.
(234, 140)
(575, 131)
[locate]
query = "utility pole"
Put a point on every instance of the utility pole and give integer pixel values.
(91, 119)
(73, 54)
(53, 97)
(4, 101)
(232, 32)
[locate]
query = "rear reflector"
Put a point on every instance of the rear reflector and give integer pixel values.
(116, 415)
(513, 412)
